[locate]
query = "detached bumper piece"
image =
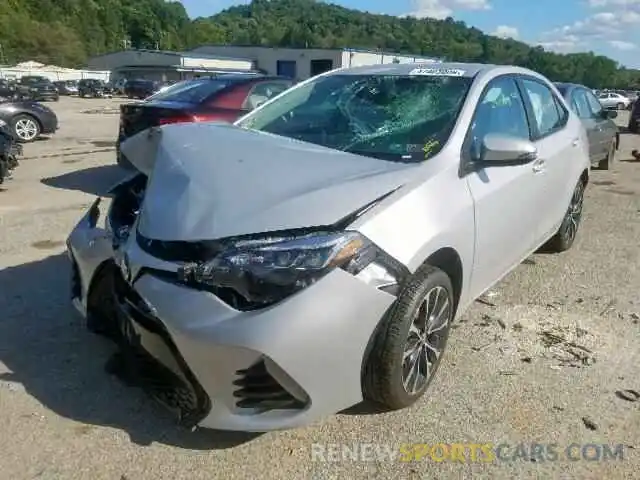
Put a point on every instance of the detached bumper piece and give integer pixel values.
(149, 359)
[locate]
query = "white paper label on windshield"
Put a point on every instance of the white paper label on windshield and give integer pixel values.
(438, 72)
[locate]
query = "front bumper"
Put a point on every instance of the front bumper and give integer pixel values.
(276, 368)
(280, 367)
(49, 123)
(89, 248)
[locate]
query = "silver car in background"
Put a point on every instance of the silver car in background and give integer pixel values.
(603, 133)
(614, 100)
(315, 254)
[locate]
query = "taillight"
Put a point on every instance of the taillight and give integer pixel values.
(206, 117)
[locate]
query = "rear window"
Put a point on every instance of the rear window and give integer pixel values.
(191, 91)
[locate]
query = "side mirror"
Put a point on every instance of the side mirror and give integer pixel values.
(609, 114)
(504, 150)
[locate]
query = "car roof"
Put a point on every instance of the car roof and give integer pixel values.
(467, 70)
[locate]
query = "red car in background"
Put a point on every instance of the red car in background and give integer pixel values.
(221, 98)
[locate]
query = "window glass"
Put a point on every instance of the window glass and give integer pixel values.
(581, 104)
(501, 110)
(405, 118)
(544, 104)
(594, 104)
(264, 91)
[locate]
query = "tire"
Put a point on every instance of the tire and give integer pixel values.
(101, 314)
(565, 236)
(25, 128)
(607, 162)
(386, 372)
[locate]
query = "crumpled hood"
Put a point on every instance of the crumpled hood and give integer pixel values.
(209, 181)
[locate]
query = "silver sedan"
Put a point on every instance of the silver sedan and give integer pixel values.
(313, 255)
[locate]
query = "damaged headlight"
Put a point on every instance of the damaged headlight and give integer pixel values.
(267, 270)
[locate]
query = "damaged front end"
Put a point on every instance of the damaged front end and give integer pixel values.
(220, 295)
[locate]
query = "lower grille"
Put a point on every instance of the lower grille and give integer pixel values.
(162, 373)
(259, 390)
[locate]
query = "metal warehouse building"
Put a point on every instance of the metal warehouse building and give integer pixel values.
(300, 64)
(164, 65)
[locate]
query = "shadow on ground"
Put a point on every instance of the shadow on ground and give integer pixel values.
(46, 348)
(94, 180)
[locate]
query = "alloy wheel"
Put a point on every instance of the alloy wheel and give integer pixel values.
(26, 129)
(426, 340)
(574, 213)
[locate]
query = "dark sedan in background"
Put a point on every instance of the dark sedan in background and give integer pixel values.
(67, 87)
(603, 133)
(221, 98)
(28, 119)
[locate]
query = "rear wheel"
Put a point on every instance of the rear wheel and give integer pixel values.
(566, 235)
(607, 162)
(410, 341)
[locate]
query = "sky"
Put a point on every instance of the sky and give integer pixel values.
(608, 27)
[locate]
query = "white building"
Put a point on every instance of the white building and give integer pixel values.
(299, 64)
(52, 72)
(165, 65)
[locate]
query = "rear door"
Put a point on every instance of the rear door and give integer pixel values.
(607, 129)
(558, 153)
(590, 120)
(506, 198)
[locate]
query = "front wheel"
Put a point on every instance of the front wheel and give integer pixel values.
(25, 128)
(566, 235)
(410, 341)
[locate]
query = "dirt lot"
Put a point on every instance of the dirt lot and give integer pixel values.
(543, 359)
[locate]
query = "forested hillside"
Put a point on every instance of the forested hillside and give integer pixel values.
(66, 32)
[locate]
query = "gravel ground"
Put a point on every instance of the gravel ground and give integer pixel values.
(542, 360)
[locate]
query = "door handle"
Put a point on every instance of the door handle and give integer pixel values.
(576, 141)
(538, 166)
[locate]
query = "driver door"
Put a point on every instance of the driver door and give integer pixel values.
(506, 198)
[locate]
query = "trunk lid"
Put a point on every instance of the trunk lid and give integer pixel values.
(136, 117)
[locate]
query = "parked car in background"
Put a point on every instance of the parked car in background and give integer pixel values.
(613, 100)
(328, 238)
(223, 98)
(7, 89)
(93, 88)
(67, 87)
(634, 118)
(117, 86)
(140, 88)
(28, 119)
(603, 133)
(37, 88)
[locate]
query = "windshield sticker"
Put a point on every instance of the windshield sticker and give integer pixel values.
(438, 72)
(429, 147)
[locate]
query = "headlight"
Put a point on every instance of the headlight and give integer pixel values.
(266, 270)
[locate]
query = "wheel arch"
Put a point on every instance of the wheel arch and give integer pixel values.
(446, 259)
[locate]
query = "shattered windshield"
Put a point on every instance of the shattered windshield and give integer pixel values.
(399, 118)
